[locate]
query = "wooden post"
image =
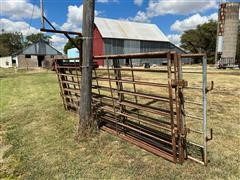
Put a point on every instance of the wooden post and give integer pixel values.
(86, 123)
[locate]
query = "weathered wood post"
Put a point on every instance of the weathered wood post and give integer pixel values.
(86, 123)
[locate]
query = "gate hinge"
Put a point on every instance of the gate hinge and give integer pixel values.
(182, 83)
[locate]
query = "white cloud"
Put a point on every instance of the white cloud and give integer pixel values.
(75, 18)
(192, 22)
(58, 41)
(174, 7)
(106, 1)
(180, 7)
(138, 2)
(140, 17)
(174, 38)
(20, 26)
(19, 9)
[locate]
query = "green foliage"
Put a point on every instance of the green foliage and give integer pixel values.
(201, 40)
(10, 43)
(70, 45)
(33, 38)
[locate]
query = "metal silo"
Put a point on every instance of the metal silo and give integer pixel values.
(228, 29)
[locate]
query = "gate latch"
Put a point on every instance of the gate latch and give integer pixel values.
(211, 87)
(211, 135)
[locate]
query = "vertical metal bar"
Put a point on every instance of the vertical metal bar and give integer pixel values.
(178, 108)
(204, 99)
(169, 58)
(60, 84)
(111, 91)
(78, 86)
(134, 85)
(117, 73)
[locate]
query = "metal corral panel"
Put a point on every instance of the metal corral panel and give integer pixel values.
(119, 29)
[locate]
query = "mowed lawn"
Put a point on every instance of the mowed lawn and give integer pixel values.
(37, 136)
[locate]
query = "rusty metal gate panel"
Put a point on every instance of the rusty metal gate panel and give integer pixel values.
(142, 106)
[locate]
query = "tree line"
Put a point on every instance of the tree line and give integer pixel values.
(202, 39)
(11, 43)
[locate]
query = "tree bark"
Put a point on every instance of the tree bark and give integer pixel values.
(87, 125)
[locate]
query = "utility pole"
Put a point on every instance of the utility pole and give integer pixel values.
(87, 124)
(42, 13)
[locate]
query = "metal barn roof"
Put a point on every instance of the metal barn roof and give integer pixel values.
(119, 29)
(40, 48)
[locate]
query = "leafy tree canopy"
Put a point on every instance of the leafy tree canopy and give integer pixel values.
(201, 40)
(10, 43)
(70, 45)
(33, 38)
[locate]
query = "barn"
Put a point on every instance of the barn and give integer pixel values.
(122, 37)
(39, 54)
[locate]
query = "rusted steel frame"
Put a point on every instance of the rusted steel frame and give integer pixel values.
(159, 98)
(177, 104)
(154, 110)
(169, 59)
(69, 67)
(111, 91)
(99, 93)
(60, 31)
(140, 143)
(160, 54)
(143, 128)
(134, 84)
(139, 131)
(179, 109)
(65, 33)
(192, 55)
(117, 74)
(157, 111)
(60, 84)
(126, 114)
(67, 74)
(167, 128)
(70, 82)
(71, 90)
(144, 83)
(137, 70)
(77, 76)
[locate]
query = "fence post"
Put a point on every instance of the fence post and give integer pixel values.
(86, 123)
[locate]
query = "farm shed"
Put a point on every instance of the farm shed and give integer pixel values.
(39, 54)
(121, 37)
(5, 62)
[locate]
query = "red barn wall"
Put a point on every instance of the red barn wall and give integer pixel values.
(98, 45)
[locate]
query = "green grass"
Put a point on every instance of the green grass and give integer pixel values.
(38, 136)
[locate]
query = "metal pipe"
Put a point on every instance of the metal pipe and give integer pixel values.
(204, 99)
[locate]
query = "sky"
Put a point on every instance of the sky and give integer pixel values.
(173, 17)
